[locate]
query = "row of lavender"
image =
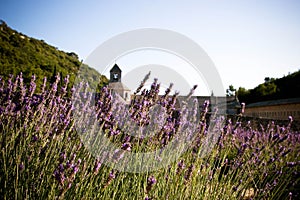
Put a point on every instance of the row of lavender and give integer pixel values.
(45, 145)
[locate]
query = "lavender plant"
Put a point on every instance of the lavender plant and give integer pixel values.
(46, 154)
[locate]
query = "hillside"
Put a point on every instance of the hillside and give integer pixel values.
(280, 88)
(20, 53)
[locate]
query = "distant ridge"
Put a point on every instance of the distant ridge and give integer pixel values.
(272, 89)
(21, 53)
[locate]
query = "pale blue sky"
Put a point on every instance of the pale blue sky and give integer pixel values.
(247, 40)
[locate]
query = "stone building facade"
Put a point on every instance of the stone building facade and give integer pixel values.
(277, 109)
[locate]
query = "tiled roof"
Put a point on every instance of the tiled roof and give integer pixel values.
(115, 68)
(274, 102)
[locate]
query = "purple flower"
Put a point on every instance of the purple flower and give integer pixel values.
(34, 138)
(234, 188)
(110, 178)
(21, 166)
(126, 146)
(180, 166)
(275, 136)
(279, 172)
(189, 172)
(150, 182)
(271, 160)
(275, 182)
(112, 175)
(97, 166)
(56, 175)
(286, 152)
(68, 164)
(75, 169)
(292, 164)
(73, 156)
(282, 139)
(62, 156)
(61, 168)
(60, 177)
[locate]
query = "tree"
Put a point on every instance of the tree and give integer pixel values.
(53, 77)
(102, 82)
(230, 91)
(243, 94)
(267, 79)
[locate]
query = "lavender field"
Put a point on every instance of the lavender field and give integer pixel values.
(44, 151)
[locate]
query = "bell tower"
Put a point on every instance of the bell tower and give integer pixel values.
(115, 84)
(115, 74)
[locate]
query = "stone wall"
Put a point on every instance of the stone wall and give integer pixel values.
(281, 112)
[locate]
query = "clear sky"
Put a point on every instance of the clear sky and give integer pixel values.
(247, 40)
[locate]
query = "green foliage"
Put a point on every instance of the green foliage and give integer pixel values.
(266, 89)
(281, 88)
(103, 82)
(230, 91)
(242, 92)
(20, 53)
